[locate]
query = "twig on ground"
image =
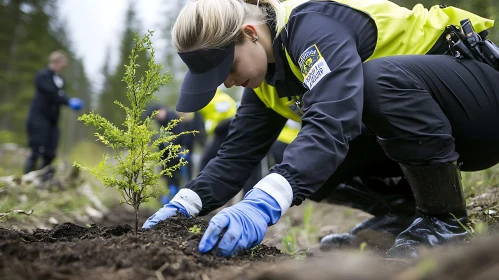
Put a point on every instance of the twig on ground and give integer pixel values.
(159, 272)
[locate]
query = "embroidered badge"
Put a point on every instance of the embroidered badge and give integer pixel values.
(308, 58)
(313, 66)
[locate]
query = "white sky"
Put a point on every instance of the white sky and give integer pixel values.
(96, 25)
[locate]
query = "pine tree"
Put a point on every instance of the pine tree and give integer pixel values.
(134, 174)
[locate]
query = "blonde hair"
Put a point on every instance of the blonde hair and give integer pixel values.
(57, 55)
(208, 24)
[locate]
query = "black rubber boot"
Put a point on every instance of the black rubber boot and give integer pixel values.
(438, 194)
(31, 161)
(392, 205)
(49, 174)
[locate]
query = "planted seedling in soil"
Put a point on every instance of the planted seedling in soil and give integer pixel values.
(138, 148)
(195, 229)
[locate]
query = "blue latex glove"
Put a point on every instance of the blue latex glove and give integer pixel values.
(75, 103)
(164, 213)
(246, 223)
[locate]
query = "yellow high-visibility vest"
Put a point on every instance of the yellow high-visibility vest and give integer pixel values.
(220, 108)
(400, 32)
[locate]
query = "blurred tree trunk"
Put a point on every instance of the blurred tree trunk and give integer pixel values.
(12, 13)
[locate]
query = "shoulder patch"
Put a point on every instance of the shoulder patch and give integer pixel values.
(308, 58)
(313, 66)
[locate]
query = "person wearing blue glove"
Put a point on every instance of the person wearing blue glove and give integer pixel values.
(163, 118)
(43, 114)
(191, 122)
(377, 95)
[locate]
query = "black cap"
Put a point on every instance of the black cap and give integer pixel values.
(208, 69)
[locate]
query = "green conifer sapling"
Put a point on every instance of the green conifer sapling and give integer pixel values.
(136, 147)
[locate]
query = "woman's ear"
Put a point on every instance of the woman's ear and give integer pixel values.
(250, 31)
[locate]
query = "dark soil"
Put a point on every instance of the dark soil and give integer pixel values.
(70, 251)
(112, 250)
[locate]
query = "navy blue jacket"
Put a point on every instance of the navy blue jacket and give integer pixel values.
(49, 96)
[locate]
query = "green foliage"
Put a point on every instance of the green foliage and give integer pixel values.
(289, 244)
(308, 229)
(5, 216)
(362, 247)
(253, 251)
(477, 182)
(133, 173)
(6, 136)
(305, 234)
(195, 229)
(470, 232)
(480, 228)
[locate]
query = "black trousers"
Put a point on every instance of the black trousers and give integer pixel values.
(433, 109)
(365, 159)
(43, 139)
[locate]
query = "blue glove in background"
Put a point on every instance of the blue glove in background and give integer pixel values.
(246, 223)
(164, 213)
(165, 199)
(75, 103)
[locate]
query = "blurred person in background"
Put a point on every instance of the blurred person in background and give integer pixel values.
(219, 113)
(191, 122)
(217, 116)
(43, 114)
(163, 118)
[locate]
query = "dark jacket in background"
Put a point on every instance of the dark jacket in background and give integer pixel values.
(49, 96)
(196, 124)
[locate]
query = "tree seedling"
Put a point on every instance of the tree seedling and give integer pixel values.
(195, 229)
(137, 150)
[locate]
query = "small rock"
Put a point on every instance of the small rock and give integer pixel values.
(484, 195)
(94, 213)
(53, 221)
(23, 198)
(82, 218)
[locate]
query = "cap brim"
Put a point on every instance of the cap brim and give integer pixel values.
(199, 89)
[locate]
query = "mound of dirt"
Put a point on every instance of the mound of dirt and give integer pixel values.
(69, 251)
